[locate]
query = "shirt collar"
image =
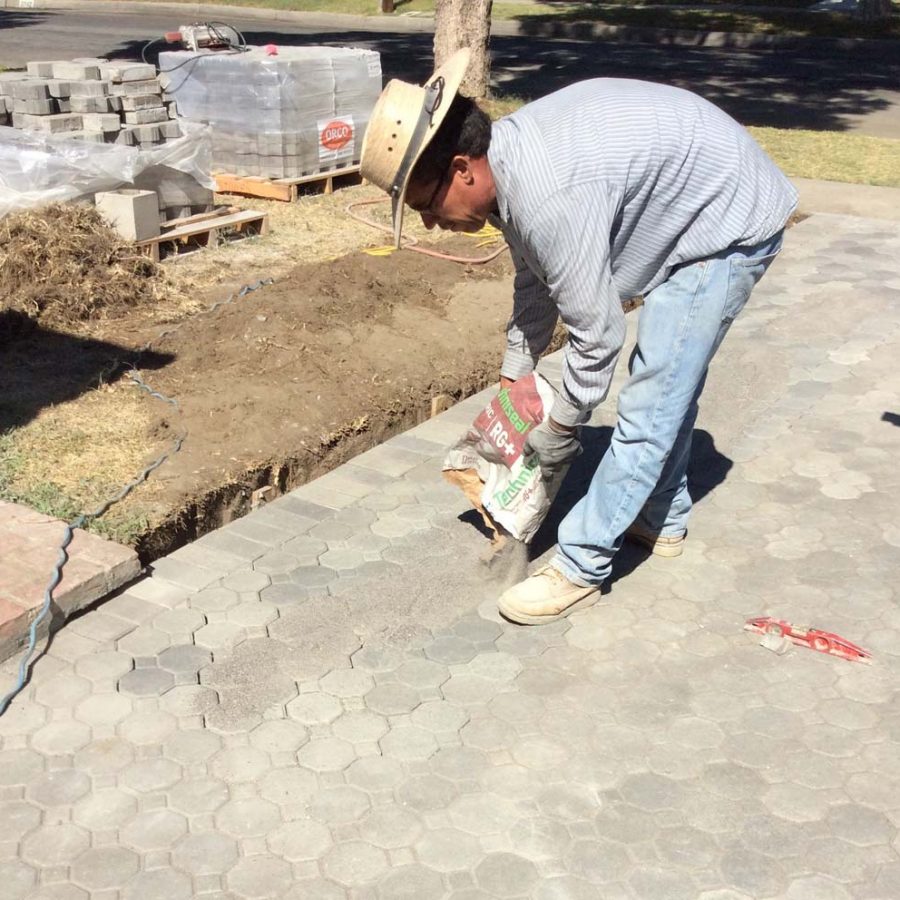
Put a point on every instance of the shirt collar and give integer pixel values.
(500, 151)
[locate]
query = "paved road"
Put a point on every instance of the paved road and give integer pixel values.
(318, 701)
(858, 91)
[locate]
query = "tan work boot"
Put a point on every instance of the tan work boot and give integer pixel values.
(545, 596)
(660, 545)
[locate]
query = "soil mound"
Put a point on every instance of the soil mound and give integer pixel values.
(61, 265)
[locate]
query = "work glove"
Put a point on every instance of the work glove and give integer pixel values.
(555, 445)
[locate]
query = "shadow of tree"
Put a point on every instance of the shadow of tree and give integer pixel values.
(16, 19)
(43, 367)
(811, 88)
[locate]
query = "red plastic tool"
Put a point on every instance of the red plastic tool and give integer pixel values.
(822, 641)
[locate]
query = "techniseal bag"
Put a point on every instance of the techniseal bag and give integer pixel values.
(489, 465)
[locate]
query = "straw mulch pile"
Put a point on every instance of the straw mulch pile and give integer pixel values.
(60, 265)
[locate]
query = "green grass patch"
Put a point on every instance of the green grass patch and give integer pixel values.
(833, 155)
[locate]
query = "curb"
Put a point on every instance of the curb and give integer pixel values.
(409, 24)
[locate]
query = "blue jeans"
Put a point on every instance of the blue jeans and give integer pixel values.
(643, 474)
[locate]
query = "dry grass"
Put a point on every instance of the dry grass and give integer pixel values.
(74, 456)
(317, 228)
(61, 265)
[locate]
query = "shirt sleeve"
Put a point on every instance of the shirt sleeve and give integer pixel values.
(531, 324)
(570, 237)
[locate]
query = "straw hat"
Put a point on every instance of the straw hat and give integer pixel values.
(404, 120)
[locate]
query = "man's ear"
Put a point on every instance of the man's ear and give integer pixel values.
(462, 165)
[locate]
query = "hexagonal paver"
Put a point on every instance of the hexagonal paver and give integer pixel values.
(179, 622)
(151, 727)
(314, 708)
(346, 683)
(392, 699)
(62, 691)
(62, 787)
(184, 659)
(104, 868)
(103, 709)
(159, 884)
(279, 736)
(253, 614)
(326, 755)
(189, 747)
(155, 829)
(411, 881)
(408, 743)
(55, 845)
(248, 818)
(597, 861)
(360, 726)
(260, 876)
(375, 773)
(148, 681)
(104, 666)
(290, 787)
(205, 854)
(354, 863)
(449, 850)
(149, 775)
(144, 641)
(196, 796)
(506, 875)
(390, 827)
(338, 805)
(19, 818)
(106, 808)
(422, 673)
(300, 840)
(17, 879)
(221, 599)
(59, 738)
(240, 764)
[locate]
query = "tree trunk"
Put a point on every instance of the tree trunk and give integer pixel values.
(874, 10)
(387, 6)
(465, 23)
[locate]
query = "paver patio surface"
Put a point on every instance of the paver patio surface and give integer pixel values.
(319, 701)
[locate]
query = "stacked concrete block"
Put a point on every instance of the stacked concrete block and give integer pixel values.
(299, 113)
(89, 99)
(102, 101)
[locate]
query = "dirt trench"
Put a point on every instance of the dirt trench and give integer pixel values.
(293, 379)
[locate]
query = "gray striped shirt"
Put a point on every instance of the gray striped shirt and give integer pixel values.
(602, 189)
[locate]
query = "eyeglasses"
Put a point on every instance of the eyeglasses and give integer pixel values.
(429, 206)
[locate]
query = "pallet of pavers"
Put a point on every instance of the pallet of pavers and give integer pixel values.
(90, 100)
(102, 101)
(287, 189)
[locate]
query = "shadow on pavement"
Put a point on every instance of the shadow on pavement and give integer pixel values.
(708, 468)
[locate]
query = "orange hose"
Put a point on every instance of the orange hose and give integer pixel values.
(411, 242)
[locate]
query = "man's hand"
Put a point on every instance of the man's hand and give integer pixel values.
(556, 446)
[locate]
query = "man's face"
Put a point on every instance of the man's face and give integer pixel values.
(453, 202)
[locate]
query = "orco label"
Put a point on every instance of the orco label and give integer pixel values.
(336, 139)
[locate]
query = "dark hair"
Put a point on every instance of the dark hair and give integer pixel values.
(466, 131)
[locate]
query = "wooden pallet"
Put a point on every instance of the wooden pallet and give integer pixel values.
(203, 229)
(287, 189)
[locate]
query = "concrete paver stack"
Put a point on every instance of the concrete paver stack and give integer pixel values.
(104, 102)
